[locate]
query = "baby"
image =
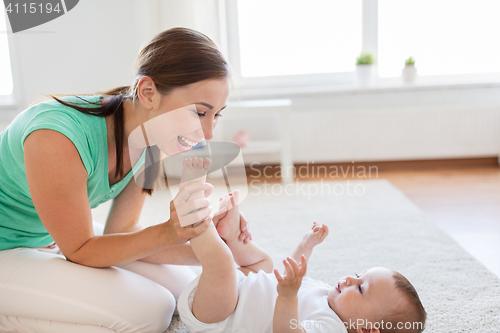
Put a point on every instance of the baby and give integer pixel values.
(255, 298)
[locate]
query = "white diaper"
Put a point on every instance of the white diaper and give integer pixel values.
(185, 308)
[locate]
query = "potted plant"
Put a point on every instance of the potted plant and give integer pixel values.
(409, 72)
(364, 68)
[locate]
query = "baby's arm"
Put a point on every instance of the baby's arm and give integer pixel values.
(312, 238)
(286, 310)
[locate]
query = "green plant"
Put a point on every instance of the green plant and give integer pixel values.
(410, 61)
(366, 58)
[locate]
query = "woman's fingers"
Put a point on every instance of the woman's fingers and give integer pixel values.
(192, 205)
(195, 231)
(188, 189)
(195, 217)
(209, 191)
(180, 235)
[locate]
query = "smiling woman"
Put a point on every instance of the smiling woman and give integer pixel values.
(62, 157)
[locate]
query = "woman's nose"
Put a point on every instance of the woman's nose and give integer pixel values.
(208, 132)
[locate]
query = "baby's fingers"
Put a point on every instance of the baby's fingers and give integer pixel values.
(294, 264)
(278, 276)
(303, 265)
(289, 270)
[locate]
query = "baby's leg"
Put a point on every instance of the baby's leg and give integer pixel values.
(250, 257)
(217, 293)
(312, 238)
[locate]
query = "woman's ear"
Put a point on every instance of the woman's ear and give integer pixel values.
(146, 91)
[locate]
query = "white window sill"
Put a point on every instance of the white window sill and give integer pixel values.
(8, 110)
(379, 86)
(7, 102)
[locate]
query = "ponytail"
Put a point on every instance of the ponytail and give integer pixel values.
(114, 106)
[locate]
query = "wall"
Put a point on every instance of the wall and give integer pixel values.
(93, 48)
(89, 49)
(454, 121)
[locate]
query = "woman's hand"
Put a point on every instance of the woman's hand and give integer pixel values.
(189, 211)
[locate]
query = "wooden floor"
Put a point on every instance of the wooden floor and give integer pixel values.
(461, 196)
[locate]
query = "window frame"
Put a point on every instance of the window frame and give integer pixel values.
(334, 82)
(369, 42)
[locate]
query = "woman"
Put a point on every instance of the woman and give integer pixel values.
(60, 158)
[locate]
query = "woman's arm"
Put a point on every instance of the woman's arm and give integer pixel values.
(124, 215)
(57, 181)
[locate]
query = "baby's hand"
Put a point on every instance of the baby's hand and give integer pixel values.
(289, 285)
(315, 236)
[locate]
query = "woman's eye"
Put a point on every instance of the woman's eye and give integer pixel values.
(217, 115)
(359, 287)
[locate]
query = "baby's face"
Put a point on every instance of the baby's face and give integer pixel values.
(366, 297)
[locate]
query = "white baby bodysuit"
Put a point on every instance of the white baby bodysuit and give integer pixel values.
(255, 308)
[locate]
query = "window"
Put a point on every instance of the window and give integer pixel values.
(288, 37)
(6, 84)
(293, 42)
(316, 42)
(444, 37)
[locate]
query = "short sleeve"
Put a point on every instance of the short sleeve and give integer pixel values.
(67, 126)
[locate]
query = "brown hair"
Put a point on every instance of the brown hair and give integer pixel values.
(412, 316)
(173, 58)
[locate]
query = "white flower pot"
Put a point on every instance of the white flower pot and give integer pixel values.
(364, 74)
(409, 73)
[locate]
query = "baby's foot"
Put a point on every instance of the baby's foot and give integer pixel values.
(315, 236)
(194, 170)
(228, 227)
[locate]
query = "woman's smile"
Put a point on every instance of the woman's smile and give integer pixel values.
(183, 144)
(186, 142)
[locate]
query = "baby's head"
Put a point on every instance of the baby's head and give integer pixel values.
(378, 299)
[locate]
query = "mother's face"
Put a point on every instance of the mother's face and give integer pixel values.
(187, 115)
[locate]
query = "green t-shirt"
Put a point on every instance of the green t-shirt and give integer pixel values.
(20, 225)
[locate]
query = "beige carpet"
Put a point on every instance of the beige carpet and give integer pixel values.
(378, 226)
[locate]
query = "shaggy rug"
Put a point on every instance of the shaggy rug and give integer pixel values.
(371, 224)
